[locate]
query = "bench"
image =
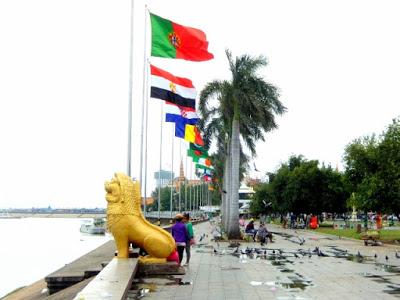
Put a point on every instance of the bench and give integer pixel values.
(113, 282)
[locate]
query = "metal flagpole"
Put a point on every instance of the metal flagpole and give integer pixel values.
(145, 142)
(191, 188)
(186, 183)
(172, 175)
(128, 169)
(180, 155)
(144, 103)
(159, 173)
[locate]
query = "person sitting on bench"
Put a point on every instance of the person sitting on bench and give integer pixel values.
(251, 230)
(263, 233)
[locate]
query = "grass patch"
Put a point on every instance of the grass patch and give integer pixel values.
(385, 235)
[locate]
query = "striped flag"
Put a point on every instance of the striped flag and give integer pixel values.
(176, 90)
(176, 114)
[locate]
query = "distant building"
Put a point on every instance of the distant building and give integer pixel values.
(163, 177)
(245, 196)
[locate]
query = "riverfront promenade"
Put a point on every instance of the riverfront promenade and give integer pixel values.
(217, 272)
(336, 274)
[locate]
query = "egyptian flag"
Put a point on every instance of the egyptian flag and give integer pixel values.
(176, 90)
(171, 40)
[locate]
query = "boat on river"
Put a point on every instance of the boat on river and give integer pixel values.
(94, 226)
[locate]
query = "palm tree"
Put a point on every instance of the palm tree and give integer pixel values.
(247, 106)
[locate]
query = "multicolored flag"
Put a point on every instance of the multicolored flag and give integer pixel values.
(176, 114)
(171, 40)
(199, 166)
(196, 154)
(197, 147)
(177, 90)
(192, 134)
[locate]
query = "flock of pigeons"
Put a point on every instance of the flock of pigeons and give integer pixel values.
(263, 252)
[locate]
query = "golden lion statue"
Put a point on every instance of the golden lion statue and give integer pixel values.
(127, 223)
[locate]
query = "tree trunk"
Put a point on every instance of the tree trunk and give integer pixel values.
(226, 189)
(233, 224)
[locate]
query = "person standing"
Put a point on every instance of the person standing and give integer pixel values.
(180, 235)
(190, 240)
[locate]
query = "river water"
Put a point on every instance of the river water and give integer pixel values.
(32, 248)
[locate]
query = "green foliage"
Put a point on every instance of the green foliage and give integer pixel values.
(245, 107)
(373, 171)
(301, 186)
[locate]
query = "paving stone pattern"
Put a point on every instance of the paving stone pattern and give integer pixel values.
(341, 274)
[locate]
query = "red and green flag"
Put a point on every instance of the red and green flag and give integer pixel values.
(171, 40)
(196, 154)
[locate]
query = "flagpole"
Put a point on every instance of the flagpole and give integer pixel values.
(186, 183)
(159, 173)
(172, 174)
(190, 192)
(144, 103)
(145, 142)
(128, 169)
(180, 155)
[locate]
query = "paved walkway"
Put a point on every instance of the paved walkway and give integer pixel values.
(222, 274)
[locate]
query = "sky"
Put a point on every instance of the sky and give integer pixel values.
(64, 86)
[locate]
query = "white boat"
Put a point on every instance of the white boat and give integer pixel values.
(93, 226)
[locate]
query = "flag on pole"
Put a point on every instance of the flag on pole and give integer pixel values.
(173, 89)
(192, 135)
(171, 40)
(194, 153)
(199, 166)
(197, 147)
(176, 114)
(205, 161)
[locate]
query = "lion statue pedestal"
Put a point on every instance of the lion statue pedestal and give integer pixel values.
(127, 224)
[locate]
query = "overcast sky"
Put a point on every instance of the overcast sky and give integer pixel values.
(64, 77)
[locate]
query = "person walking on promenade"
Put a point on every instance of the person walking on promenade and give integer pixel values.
(190, 240)
(180, 235)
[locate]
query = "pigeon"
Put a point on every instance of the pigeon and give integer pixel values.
(243, 251)
(397, 255)
(309, 254)
(201, 238)
(386, 257)
(215, 251)
(302, 241)
(295, 255)
(236, 250)
(376, 256)
(359, 254)
(316, 250)
(320, 253)
(273, 251)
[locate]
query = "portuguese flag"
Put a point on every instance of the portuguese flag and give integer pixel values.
(171, 40)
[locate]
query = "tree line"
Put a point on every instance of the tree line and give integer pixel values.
(370, 180)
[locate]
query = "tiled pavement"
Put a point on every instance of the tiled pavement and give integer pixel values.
(223, 275)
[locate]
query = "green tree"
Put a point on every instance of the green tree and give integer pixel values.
(247, 108)
(389, 168)
(302, 186)
(361, 160)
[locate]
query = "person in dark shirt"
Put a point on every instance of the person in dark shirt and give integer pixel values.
(250, 229)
